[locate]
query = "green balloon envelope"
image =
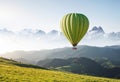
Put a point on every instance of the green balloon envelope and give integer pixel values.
(74, 26)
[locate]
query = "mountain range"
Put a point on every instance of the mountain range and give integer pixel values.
(111, 53)
(95, 30)
(95, 36)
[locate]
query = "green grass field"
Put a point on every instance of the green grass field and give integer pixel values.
(11, 71)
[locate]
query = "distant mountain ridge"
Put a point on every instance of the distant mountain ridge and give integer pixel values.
(110, 52)
(53, 32)
(97, 29)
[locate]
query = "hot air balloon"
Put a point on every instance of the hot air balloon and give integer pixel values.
(74, 26)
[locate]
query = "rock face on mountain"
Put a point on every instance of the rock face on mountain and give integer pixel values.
(114, 36)
(5, 31)
(96, 29)
(39, 32)
(53, 32)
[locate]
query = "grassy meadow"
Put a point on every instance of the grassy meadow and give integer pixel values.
(12, 71)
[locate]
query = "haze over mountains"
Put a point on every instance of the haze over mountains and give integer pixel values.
(38, 39)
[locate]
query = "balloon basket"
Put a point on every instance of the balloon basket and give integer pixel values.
(74, 48)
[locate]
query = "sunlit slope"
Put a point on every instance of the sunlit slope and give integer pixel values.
(11, 71)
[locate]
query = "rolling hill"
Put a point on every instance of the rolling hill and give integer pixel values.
(81, 65)
(12, 71)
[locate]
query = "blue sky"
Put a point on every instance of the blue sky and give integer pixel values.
(46, 14)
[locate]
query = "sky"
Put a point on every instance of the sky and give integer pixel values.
(16, 15)
(46, 14)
